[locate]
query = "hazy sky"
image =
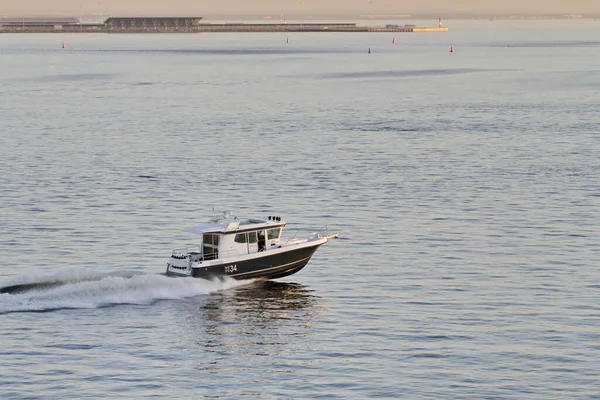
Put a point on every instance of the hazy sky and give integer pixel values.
(203, 7)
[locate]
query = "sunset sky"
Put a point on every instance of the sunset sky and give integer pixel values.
(203, 7)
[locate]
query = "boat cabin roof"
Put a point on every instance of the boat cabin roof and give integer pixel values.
(236, 226)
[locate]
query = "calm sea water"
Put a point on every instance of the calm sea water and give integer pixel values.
(466, 187)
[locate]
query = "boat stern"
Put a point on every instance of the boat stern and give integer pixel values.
(181, 261)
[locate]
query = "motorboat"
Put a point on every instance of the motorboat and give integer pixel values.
(245, 248)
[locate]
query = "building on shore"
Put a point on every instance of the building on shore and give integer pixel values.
(152, 23)
(38, 23)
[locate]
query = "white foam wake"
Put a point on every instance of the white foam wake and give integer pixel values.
(111, 290)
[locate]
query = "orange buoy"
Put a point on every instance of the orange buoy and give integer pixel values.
(394, 41)
(64, 46)
(451, 49)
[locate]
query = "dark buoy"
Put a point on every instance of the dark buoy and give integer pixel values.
(287, 40)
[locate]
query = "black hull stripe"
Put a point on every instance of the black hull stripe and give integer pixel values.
(289, 271)
(271, 268)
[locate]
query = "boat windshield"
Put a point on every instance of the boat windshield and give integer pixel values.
(273, 233)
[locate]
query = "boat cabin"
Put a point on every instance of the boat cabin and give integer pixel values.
(224, 239)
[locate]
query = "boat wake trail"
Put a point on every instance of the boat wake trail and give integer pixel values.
(95, 291)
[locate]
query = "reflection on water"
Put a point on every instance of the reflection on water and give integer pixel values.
(264, 318)
(263, 302)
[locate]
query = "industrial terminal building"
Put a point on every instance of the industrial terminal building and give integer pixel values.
(152, 23)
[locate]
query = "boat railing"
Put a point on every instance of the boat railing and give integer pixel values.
(184, 252)
(194, 254)
(224, 254)
(323, 233)
(291, 238)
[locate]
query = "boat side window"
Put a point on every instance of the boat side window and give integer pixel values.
(240, 238)
(211, 239)
(252, 237)
(211, 246)
(273, 233)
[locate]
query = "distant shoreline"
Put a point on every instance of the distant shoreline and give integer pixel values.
(224, 29)
(295, 16)
(190, 25)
